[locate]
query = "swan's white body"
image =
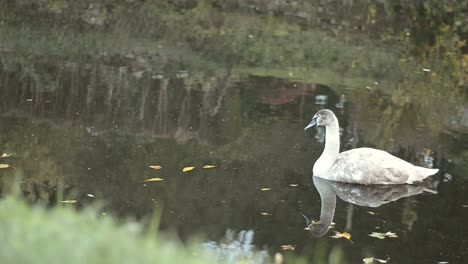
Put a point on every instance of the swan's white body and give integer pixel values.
(361, 165)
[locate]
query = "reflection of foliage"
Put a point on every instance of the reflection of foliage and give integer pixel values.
(422, 102)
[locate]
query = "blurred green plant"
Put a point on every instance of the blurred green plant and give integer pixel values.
(58, 235)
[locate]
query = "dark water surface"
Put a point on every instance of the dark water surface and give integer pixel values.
(88, 114)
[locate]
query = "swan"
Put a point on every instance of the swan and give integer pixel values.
(361, 165)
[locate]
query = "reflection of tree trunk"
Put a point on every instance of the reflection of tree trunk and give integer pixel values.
(110, 90)
(72, 95)
(37, 97)
(349, 217)
(91, 89)
(210, 111)
(183, 132)
(161, 117)
(58, 90)
(224, 85)
(409, 215)
(184, 117)
(4, 91)
(144, 95)
(301, 108)
(123, 84)
(24, 83)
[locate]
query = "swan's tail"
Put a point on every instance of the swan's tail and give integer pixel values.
(427, 172)
(423, 173)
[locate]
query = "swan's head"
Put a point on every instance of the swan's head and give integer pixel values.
(323, 117)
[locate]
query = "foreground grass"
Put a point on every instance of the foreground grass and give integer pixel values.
(62, 235)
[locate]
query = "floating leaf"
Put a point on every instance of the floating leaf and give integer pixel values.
(342, 235)
(377, 235)
(288, 247)
(6, 155)
(382, 260)
(265, 189)
(370, 212)
(156, 167)
(4, 166)
(390, 234)
(69, 201)
(188, 169)
(383, 235)
(264, 213)
(153, 180)
(371, 260)
(90, 195)
(293, 185)
(209, 166)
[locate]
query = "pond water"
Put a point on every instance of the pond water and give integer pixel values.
(85, 124)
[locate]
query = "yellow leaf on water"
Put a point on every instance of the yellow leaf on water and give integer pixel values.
(263, 213)
(209, 166)
(156, 167)
(6, 155)
(4, 166)
(69, 201)
(288, 247)
(153, 180)
(265, 189)
(346, 235)
(368, 260)
(188, 169)
(342, 235)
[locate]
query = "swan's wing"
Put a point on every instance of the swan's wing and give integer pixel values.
(370, 166)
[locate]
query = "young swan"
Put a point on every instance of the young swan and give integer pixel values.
(361, 165)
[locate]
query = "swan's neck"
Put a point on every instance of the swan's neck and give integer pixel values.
(332, 141)
(331, 150)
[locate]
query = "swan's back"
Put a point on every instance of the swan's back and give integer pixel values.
(373, 166)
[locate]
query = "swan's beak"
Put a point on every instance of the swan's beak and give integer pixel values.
(311, 124)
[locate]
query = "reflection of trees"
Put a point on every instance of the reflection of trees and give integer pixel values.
(103, 96)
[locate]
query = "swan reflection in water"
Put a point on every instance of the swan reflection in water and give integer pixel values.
(361, 195)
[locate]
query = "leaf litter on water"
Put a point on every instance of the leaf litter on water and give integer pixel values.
(6, 155)
(4, 166)
(209, 166)
(288, 247)
(383, 235)
(187, 169)
(69, 201)
(342, 235)
(371, 260)
(156, 167)
(265, 189)
(153, 180)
